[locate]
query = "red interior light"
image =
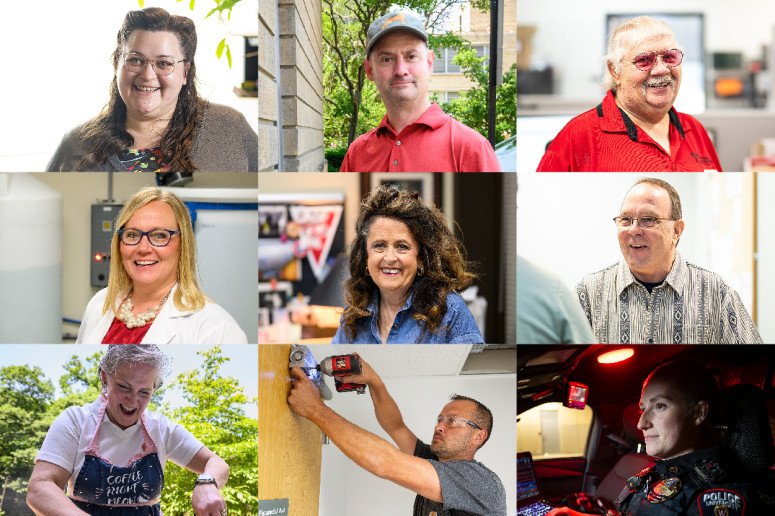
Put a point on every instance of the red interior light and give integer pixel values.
(98, 257)
(617, 355)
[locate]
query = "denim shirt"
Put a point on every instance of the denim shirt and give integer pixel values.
(457, 327)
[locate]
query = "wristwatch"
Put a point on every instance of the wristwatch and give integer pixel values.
(206, 478)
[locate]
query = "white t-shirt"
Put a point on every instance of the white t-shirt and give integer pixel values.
(72, 430)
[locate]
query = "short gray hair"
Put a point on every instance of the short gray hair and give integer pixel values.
(145, 354)
(626, 35)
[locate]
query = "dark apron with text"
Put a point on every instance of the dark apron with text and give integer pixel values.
(104, 489)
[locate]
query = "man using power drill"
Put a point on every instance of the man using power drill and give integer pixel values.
(445, 476)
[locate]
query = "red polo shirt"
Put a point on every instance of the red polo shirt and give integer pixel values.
(435, 142)
(605, 139)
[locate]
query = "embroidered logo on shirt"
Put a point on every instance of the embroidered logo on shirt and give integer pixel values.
(721, 502)
(704, 160)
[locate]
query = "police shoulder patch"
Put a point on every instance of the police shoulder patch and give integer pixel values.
(721, 502)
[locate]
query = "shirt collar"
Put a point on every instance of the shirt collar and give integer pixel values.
(675, 278)
(374, 303)
(614, 120)
(433, 118)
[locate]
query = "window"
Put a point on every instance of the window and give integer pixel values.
(444, 63)
(552, 431)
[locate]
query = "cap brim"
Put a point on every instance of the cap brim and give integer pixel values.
(390, 30)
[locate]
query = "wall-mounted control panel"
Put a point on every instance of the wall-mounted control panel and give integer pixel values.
(103, 217)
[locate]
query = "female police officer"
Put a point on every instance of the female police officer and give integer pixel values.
(691, 475)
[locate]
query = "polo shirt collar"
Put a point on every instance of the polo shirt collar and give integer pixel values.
(676, 278)
(613, 119)
(433, 117)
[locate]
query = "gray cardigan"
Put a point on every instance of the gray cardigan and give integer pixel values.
(224, 142)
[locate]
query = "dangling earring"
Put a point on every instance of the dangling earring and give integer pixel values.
(421, 271)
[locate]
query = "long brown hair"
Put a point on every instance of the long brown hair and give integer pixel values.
(442, 256)
(105, 135)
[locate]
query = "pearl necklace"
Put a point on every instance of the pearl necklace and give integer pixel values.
(138, 321)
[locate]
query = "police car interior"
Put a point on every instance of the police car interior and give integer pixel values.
(578, 444)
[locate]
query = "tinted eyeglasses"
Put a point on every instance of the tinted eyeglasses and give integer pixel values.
(647, 60)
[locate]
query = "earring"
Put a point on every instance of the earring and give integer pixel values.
(421, 271)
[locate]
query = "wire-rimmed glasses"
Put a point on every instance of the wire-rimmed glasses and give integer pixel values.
(647, 221)
(163, 66)
(645, 61)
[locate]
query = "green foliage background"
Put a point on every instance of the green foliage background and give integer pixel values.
(213, 413)
(352, 105)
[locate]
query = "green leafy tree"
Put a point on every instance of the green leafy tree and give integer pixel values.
(221, 7)
(348, 95)
(471, 107)
(24, 396)
(214, 414)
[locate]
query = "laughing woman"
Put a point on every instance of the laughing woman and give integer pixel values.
(153, 296)
(155, 120)
(110, 455)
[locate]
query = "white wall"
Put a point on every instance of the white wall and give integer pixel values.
(564, 222)
(348, 490)
(766, 262)
(574, 41)
(43, 97)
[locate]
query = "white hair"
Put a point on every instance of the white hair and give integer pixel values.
(626, 36)
(146, 354)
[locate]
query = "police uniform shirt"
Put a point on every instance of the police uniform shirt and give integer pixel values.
(696, 483)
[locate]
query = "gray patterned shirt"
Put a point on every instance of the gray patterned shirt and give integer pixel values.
(692, 306)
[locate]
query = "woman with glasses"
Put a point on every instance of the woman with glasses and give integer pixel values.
(153, 296)
(155, 120)
(406, 270)
(110, 455)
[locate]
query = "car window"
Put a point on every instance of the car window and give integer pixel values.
(553, 431)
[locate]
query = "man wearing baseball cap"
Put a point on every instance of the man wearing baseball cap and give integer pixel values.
(415, 135)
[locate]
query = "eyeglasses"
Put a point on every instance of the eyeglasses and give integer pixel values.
(451, 421)
(645, 222)
(157, 237)
(647, 60)
(164, 66)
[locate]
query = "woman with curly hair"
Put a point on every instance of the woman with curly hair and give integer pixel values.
(155, 120)
(406, 269)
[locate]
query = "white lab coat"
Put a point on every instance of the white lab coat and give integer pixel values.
(210, 325)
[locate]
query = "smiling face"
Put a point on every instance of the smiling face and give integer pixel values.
(392, 257)
(650, 94)
(400, 65)
(128, 392)
(455, 443)
(667, 429)
(148, 96)
(649, 252)
(150, 267)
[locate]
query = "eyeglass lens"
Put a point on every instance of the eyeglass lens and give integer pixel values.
(645, 222)
(646, 60)
(162, 66)
(158, 237)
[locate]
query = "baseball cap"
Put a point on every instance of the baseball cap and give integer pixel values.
(392, 22)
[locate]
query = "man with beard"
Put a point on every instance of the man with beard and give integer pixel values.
(415, 135)
(635, 128)
(445, 476)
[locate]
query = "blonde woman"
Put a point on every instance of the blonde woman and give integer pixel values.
(153, 296)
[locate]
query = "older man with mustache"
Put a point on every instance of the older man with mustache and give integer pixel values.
(635, 128)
